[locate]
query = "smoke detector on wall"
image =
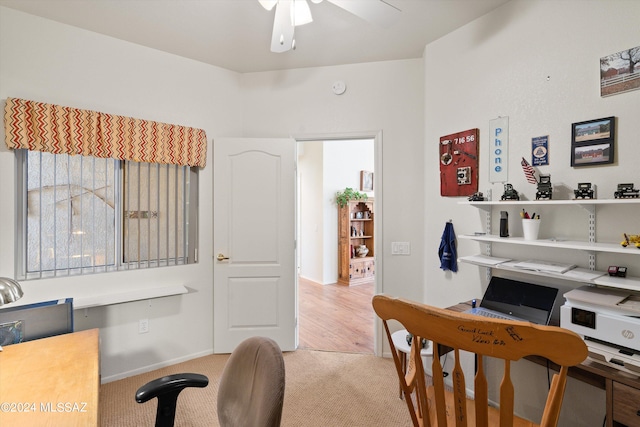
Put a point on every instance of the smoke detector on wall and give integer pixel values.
(339, 87)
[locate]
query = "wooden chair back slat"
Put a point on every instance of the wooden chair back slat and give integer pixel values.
(481, 395)
(554, 399)
(506, 397)
(420, 382)
(438, 383)
(405, 385)
(500, 339)
(459, 390)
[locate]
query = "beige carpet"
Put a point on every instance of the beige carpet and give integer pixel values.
(322, 389)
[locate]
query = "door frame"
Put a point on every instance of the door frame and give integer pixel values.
(377, 203)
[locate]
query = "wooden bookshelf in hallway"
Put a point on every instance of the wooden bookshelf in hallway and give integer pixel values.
(335, 317)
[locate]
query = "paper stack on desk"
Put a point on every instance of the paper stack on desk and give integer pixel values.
(484, 259)
(583, 274)
(544, 266)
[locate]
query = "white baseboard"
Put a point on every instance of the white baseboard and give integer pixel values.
(319, 282)
(149, 368)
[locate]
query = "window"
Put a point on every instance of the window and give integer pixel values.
(84, 214)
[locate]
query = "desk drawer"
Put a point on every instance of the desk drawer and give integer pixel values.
(626, 404)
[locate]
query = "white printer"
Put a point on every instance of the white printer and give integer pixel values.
(609, 321)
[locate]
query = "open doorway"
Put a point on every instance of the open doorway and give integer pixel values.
(330, 316)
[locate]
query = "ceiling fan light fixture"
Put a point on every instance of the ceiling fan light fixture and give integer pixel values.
(289, 14)
(283, 30)
(300, 13)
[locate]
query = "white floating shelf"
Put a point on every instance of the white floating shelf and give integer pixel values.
(576, 202)
(87, 297)
(555, 243)
(127, 296)
(580, 275)
(629, 283)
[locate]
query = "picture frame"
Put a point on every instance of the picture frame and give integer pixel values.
(616, 74)
(593, 142)
(366, 181)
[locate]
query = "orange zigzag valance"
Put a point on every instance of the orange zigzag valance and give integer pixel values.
(45, 127)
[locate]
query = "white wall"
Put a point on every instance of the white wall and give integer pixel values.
(325, 167)
(311, 213)
(343, 161)
(383, 96)
(49, 62)
(536, 62)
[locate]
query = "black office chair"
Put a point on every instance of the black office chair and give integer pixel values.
(167, 389)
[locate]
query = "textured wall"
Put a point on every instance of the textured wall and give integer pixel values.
(537, 62)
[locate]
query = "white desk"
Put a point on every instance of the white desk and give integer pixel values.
(400, 342)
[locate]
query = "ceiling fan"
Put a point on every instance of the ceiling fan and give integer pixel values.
(292, 13)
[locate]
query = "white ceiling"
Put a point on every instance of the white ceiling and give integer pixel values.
(236, 34)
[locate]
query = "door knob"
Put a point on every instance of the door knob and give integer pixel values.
(221, 257)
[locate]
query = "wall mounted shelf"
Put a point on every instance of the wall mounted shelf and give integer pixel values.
(556, 243)
(591, 247)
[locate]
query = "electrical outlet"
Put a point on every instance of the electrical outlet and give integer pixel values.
(143, 326)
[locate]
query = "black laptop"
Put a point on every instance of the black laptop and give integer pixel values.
(514, 300)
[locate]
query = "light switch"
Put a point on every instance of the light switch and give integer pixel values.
(400, 248)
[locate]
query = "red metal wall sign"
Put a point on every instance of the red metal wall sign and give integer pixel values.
(459, 163)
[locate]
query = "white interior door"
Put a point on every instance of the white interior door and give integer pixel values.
(254, 274)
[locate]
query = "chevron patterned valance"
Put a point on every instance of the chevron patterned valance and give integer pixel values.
(45, 127)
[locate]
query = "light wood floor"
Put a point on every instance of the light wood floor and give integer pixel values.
(335, 317)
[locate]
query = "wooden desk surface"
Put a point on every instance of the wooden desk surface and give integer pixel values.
(51, 381)
(590, 372)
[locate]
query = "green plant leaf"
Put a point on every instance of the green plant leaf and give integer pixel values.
(343, 197)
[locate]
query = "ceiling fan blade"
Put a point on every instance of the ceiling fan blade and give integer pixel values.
(301, 14)
(268, 4)
(283, 29)
(377, 12)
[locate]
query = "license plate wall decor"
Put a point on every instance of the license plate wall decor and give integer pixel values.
(458, 157)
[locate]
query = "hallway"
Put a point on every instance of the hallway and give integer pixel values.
(335, 317)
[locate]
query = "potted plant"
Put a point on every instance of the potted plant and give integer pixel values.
(343, 197)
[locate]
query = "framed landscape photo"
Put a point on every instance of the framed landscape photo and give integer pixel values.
(592, 142)
(620, 72)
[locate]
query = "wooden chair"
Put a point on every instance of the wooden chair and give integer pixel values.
(502, 339)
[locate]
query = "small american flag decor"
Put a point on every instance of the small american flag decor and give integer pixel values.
(529, 172)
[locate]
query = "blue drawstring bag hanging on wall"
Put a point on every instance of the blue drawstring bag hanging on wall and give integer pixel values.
(447, 250)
